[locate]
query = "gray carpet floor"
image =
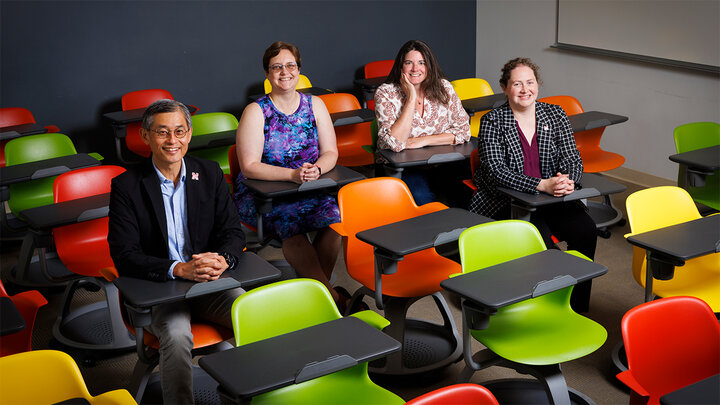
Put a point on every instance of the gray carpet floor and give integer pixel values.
(594, 375)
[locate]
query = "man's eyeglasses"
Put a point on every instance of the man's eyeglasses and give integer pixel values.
(290, 66)
(164, 133)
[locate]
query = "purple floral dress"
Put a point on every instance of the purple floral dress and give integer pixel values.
(290, 141)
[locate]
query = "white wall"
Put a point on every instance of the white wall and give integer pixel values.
(656, 99)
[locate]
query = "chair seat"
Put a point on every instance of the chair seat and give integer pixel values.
(418, 274)
(204, 334)
(544, 334)
(598, 160)
(699, 277)
(219, 155)
(343, 387)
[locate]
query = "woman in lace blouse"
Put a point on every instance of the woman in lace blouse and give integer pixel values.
(416, 107)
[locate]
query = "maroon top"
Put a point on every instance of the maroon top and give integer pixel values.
(531, 154)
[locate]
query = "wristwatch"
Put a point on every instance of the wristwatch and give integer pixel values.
(229, 259)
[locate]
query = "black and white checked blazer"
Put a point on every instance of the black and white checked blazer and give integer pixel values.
(501, 156)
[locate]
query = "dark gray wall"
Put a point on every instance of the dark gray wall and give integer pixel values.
(70, 61)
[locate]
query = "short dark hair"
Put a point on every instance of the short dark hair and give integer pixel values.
(512, 64)
(274, 49)
(164, 106)
(432, 85)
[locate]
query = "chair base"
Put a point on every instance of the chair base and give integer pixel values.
(204, 389)
(426, 346)
(619, 358)
(526, 391)
(605, 215)
(43, 270)
(95, 326)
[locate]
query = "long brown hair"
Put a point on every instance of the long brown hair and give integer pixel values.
(432, 86)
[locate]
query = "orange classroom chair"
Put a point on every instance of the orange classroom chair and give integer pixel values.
(378, 201)
(378, 68)
(350, 138)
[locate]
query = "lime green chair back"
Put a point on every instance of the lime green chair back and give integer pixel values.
(280, 308)
(209, 123)
(539, 331)
(498, 237)
(32, 148)
(290, 305)
(698, 135)
(471, 88)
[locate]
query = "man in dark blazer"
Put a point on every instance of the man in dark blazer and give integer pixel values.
(172, 216)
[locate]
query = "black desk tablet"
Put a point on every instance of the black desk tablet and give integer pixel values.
(16, 131)
(337, 177)
(213, 140)
(371, 83)
(523, 278)
(140, 293)
(473, 105)
(67, 212)
(700, 164)
(10, 319)
(706, 159)
(352, 117)
(588, 120)
(297, 356)
(673, 245)
(415, 234)
(45, 168)
(703, 392)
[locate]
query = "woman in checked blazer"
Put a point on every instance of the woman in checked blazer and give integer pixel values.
(529, 146)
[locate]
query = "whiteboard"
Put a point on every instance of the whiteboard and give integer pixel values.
(676, 32)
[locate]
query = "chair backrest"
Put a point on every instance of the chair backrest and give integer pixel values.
(670, 343)
(570, 104)
(349, 138)
(659, 207)
(140, 99)
(10, 116)
(696, 135)
(143, 98)
(83, 247)
(378, 68)
(40, 377)
(337, 102)
(371, 203)
(458, 394)
(471, 88)
(31, 148)
(27, 304)
(303, 83)
(209, 123)
(281, 307)
(501, 241)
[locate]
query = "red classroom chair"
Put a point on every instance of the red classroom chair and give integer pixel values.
(27, 303)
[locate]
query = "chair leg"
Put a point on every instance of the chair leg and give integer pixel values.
(552, 379)
(139, 380)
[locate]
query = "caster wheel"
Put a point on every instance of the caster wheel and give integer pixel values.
(604, 234)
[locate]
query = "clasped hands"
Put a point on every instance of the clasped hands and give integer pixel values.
(558, 186)
(306, 172)
(202, 267)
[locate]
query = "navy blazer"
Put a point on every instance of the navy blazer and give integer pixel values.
(502, 160)
(137, 232)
